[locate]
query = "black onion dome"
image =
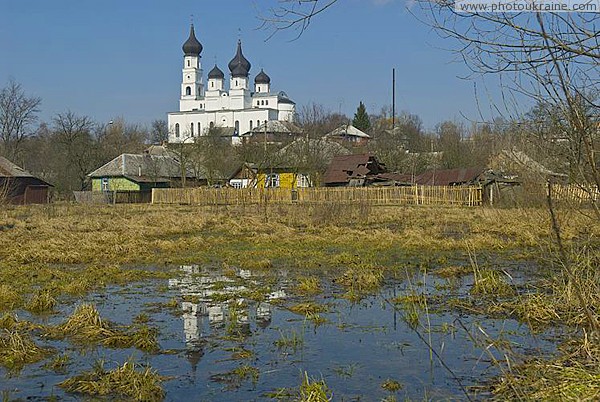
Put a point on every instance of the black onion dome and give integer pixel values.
(216, 73)
(192, 47)
(262, 78)
(239, 65)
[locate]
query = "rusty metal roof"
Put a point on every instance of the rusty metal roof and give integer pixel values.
(342, 167)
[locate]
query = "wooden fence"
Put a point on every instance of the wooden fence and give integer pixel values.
(574, 192)
(418, 195)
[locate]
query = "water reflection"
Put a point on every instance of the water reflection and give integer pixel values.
(213, 300)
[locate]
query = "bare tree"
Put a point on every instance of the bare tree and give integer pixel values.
(293, 15)
(159, 131)
(18, 113)
(73, 141)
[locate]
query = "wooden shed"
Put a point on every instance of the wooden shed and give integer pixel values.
(18, 186)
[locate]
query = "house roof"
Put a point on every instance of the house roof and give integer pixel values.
(277, 126)
(347, 130)
(9, 169)
(449, 177)
(343, 167)
(138, 166)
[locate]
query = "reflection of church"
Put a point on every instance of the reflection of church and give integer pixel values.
(204, 316)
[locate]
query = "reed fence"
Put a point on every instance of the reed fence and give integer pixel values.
(575, 192)
(417, 195)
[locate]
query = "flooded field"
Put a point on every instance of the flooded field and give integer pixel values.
(240, 336)
(298, 303)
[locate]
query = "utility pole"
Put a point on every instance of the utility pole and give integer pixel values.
(393, 98)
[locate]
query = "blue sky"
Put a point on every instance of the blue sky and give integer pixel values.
(123, 58)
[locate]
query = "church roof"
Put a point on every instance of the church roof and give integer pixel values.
(239, 66)
(216, 73)
(262, 78)
(192, 47)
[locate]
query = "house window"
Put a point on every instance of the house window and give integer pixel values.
(192, 129)
(272, 180)
(188, 90)
(177, 130)
(302, 181)
(236, 184)
(105, 184)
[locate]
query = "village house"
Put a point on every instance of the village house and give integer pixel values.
(18, 186)
(354, 171)
(349, 134)
(252, 176)
(140, 172)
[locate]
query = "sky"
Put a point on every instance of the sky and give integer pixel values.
(107, 59)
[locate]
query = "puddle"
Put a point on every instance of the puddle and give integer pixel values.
(355, 347)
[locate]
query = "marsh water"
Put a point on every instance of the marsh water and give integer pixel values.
(204, 322)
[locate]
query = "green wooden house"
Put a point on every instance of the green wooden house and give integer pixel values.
(139, 172)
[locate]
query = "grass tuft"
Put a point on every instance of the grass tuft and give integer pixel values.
(129, 381)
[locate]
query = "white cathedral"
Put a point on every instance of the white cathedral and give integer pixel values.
(216, 105)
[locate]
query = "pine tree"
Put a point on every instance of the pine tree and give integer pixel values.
(361, 118)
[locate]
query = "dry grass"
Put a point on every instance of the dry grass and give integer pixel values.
(128, 382)
(18, 349)
(86, 327)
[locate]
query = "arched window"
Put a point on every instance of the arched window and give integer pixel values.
(188, 91)
(258, 89)
(177, 130)
(236, 83)
(192, 129)
(267, 102)
(188, 63)
(262, 102)
(250, 124)
(212, 125)
(257, 123)
(237, 126)
(212, 84)
(199, 129)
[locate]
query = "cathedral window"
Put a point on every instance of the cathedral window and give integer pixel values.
(267, 102)
(177, 130)
(188, 65)
(192, 129)
(236, 83)
(250, 124)
(212, 125)
(199, 129)
(188, 91)
(212, 84)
